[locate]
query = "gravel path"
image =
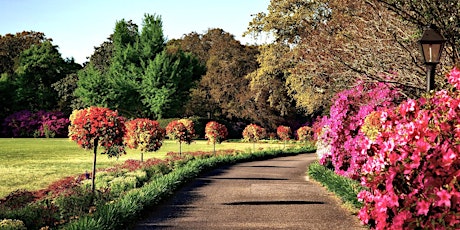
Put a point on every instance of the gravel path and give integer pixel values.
(270, 194)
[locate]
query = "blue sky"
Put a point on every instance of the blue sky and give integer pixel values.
(79, 25)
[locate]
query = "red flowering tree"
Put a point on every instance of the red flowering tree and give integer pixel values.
(144, 134)
(215, 133)
(284, 133)
(304, 133)
(181, 130)
(253, 133)
(96, 126)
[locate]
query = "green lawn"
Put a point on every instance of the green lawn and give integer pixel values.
(28, 163)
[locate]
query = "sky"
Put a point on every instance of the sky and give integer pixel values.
(78, 26)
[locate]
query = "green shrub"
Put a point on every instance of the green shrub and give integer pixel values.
(120, 185)
(9, 224)
(140, 175)
(345, 188)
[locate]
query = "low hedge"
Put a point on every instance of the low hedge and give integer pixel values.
(125, 211)
(345, 188)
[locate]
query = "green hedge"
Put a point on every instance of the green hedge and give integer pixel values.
(124, 212)
(345, 188)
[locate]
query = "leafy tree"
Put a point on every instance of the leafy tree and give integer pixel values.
(38, 68)
(167, 82)
(144, 134)
(304, 133)
(97, 126)
(215, 133)
(12, 45)
(141, 78)
(253, 133)
(181, 130)
(65, 89)
(326, 44)
(442, 14)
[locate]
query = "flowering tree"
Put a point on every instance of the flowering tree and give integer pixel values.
(413, 163)
(284, 133)
(96, 126)
(304, 133)
(144, 134)
(181, 130)
(253, 133)
(215, 133)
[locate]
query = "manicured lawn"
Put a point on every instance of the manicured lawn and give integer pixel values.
(29, 163)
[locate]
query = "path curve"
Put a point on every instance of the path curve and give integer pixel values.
(269, 194)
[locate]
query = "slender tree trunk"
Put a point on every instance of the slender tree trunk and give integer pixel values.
(214, 148)
(93, 177)
(180, 148)
(142, 156)
(253, 146)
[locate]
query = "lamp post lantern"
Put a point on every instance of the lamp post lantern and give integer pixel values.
(432, 44)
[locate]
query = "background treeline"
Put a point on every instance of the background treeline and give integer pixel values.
(318, 48)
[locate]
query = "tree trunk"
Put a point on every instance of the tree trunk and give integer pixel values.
(93, 177)
(214, 148)
(180, 148)
(142, 156)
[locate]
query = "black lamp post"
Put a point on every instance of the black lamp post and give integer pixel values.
(432, 44)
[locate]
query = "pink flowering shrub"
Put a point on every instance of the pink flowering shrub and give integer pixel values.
(347, 114)
(412, 169)
(40, 124)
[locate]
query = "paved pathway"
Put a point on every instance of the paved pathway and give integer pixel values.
(270, 194)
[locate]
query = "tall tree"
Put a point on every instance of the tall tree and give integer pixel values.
(142, 78)
(445, 15)
(38, 68)
(332, 43)
(12, 45)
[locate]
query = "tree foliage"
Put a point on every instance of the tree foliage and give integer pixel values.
(326, 44)
(141, 77)
(181, 130)
(253, 133)
(38, 68)
(144, 134)
(284, 132)
(444, 15)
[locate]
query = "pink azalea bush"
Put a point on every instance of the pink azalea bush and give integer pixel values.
(413, 166)
(347, 115)
(39, 124)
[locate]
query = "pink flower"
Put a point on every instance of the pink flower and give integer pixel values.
(444, 198)
(454, 77)
(423, 207)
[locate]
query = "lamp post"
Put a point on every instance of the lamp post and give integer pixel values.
(432, 44)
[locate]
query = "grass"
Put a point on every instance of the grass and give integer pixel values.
(29, 163)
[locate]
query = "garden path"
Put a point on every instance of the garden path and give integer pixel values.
(269, 194)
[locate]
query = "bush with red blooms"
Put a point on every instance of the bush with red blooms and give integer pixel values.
(98, 126)
(304, 133)
(215, 132)
(144, 134)
(284, 132)
(181, 130)
(413, 166)
(253, 133)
